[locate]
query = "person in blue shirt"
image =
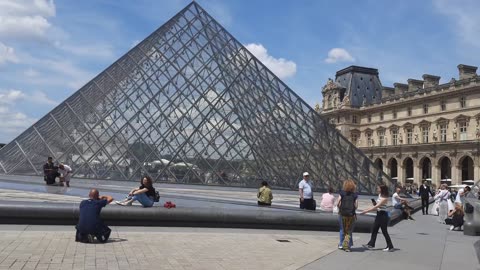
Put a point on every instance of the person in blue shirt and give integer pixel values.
(90, 225)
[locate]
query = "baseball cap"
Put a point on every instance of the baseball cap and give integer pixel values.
(306, 174)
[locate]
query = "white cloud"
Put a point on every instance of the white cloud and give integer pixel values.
(465, 19)
(25, 19)
(11, 97)
(92, 51)
(339, 55)
(281, 67)
(40, 97)
(58, 73)
(13, 121)
(27, 7)
(7, 54)
(31, 73)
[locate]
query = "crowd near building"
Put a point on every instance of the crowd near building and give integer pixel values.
(421, 130)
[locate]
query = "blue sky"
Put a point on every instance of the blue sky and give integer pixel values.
(49, 49)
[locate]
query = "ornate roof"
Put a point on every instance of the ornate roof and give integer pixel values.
(331, 85)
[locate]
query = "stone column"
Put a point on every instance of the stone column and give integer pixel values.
(401, 174)
(456, 175)
(436, 175)
(476, 173)
(417, 176)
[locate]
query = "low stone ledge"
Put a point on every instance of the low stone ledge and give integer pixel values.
(113, 215)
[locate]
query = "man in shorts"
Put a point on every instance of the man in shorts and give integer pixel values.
(65, 174)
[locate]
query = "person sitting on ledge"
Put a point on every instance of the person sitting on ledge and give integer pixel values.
(328, 200)
(400, 203)
(145, 194)
(264, 195)
(90, 224)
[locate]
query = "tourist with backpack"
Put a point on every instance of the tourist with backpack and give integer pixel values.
(347, 204)
(381, 220)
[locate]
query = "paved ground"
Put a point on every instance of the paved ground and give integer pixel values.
(42, 247)
(421, 244)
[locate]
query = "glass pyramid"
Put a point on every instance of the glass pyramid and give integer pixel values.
(189, 104)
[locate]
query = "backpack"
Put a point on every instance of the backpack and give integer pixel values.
(347, 207)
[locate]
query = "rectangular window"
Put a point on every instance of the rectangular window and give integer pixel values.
(409, 111)
(425, 108)
(354, 119)
(369, 118)
(369, 139)
(381, 138)
(338, 119)
(409, 135)
(394, 113)
(463, 131)
(463, 102)
(424, 134)
(443, 132)
(381, 116)
(354, 139)
(394, 137)
(443, 105)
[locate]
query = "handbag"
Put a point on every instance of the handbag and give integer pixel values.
(157, 197)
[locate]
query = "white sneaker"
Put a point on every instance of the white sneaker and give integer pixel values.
(387, 249)
(340, 247)
(451, 228)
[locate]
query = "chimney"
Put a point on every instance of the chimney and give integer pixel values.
(414, 84)
(387, 91)
(430, 80)
(400, 88)
(466, 72)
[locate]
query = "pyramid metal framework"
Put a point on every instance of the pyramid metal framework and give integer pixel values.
(189, 104)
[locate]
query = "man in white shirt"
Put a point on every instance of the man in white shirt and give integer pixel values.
(400, 203)
(65, 174)
(306, 193)
(461, 195)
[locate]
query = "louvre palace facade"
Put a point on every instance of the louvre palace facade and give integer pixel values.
(421, 130)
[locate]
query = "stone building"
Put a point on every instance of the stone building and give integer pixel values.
(417, 131)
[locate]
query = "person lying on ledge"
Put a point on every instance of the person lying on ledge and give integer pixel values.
(90, 225)
(145, 194)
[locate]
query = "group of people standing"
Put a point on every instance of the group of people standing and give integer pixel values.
(347, 205)
(450, 210)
